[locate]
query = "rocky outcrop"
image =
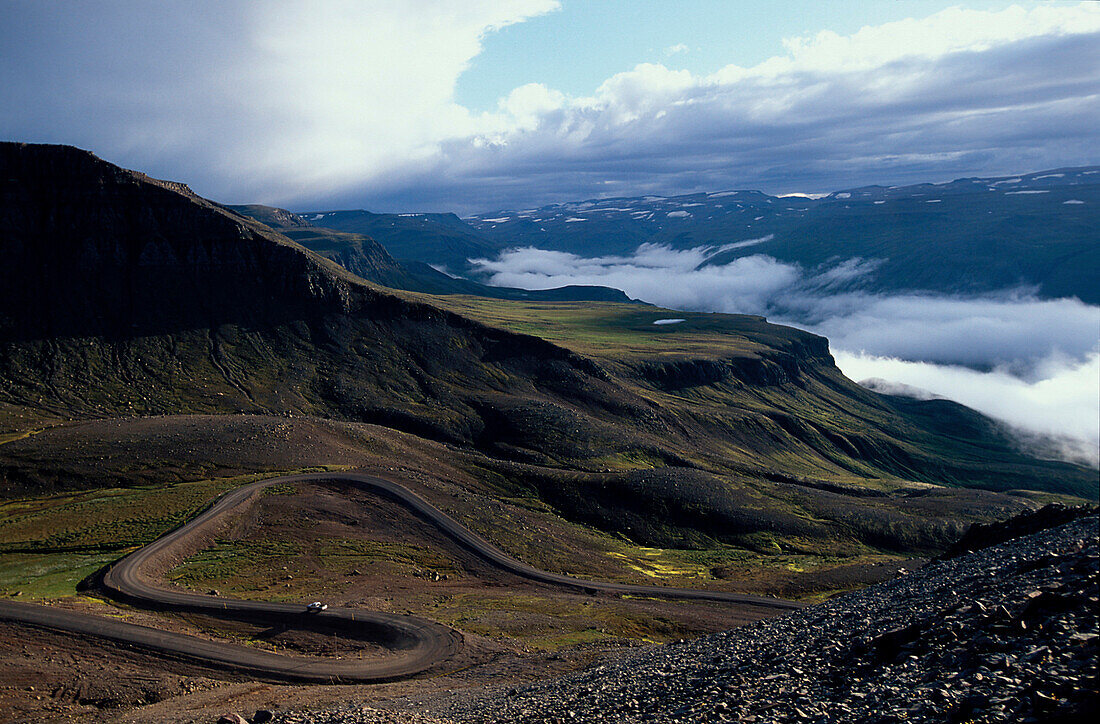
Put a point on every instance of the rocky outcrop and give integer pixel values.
(769, 370)
(91, 250)
(983, 535)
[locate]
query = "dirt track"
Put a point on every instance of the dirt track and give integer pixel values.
(414, 644)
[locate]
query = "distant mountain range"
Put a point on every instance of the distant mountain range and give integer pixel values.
(972, 235)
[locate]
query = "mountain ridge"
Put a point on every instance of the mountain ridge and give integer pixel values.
(221, 315)
(364, 256)
(970, 236)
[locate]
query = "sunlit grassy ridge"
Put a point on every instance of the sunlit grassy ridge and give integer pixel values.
(625, 331)
(775, 399)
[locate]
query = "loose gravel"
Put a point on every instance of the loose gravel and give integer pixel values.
(1005, 634)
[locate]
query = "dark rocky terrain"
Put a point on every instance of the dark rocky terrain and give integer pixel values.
(1005, 634)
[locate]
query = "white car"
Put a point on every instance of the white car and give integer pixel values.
(316, 607)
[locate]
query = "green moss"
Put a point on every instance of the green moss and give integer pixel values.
(39, 576)
(556, 642)
(281, 489)
(112, 519)
(336, 553)
(49, 544)
(6, 437)
(234, 562)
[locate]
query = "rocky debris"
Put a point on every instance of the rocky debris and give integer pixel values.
(262, 716)
(356, 714)
(1005, 634)
(983, 535)
(232, 718)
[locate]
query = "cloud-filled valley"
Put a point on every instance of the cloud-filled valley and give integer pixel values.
(1033, 363)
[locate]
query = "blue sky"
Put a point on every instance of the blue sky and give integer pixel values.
(572, 49)
(478, 105)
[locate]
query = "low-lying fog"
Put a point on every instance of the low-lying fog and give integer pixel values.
(1035, 364)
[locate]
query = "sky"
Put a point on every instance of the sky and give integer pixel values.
(478, 105)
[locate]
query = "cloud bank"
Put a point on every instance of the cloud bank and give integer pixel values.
(1056, 410)
(346, 103)
(1032, 363)
(275, 100)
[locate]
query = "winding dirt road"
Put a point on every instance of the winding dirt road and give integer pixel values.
(415, 645)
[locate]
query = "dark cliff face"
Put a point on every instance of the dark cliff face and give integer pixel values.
(120, 293)
(91, 249)
(791, 365)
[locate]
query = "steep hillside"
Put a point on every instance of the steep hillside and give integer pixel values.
(769, 397)
(970, 235)
(123, 295)
(1005, 634)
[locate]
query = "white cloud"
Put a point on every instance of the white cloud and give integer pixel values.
(527, 104)
(374, 82)
(676, 49)
(959, 92)
(1059, 403)
(1028, 361)
(949, 31)
(654, 273)
(276, 99)
(1014, 330)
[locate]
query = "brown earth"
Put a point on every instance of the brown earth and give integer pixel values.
(48, 675)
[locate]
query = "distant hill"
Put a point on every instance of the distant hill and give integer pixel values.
(968, 236)
(438, 239)
(365, 257)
